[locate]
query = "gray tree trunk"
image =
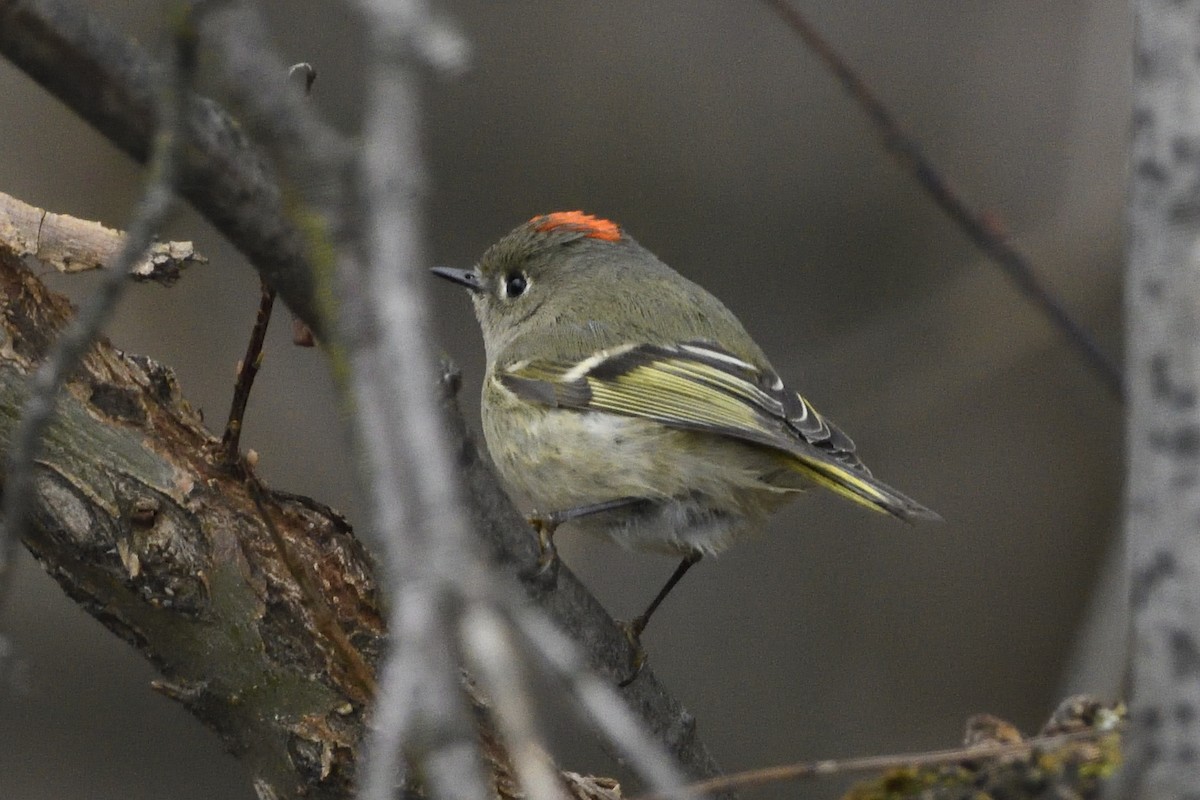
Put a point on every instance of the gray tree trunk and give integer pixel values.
(1163, 351)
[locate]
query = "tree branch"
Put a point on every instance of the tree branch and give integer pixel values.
(984, 230)
(110, 82)
(76, 337)
(135, 516)
(69, 244)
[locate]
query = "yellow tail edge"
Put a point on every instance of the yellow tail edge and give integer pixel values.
(865, 491)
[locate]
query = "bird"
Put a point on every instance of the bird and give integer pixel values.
(625, 400)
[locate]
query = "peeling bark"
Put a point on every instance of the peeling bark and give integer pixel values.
(69, 244)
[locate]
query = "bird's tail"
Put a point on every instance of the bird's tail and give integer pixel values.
(861, 487)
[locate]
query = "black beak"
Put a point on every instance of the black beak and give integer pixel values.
(463, 277)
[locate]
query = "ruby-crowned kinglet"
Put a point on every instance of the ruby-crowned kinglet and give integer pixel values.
(626, 399)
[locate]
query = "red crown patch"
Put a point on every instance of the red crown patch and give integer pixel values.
(589, 226)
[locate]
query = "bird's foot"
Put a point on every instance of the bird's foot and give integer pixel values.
(547, 563)
(633, 634)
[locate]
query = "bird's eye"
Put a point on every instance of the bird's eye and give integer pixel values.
(515, 285)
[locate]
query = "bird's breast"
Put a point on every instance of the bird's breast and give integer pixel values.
(702, 491)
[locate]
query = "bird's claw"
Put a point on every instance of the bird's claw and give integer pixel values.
(633, 633)
(547, 563)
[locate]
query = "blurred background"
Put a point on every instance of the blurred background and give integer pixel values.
(719, 142)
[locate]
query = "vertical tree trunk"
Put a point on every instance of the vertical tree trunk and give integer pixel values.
(1163, 312)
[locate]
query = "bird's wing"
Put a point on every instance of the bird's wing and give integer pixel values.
(701, 387)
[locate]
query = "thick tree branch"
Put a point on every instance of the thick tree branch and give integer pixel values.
(138, 521)
(110, 82)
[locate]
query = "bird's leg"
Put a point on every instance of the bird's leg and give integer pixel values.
(633, 628)
(547, 524)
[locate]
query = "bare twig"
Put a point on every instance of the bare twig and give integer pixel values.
(432, 563)
(69, 244)
(78, 336)
(832, 767)
(602, 706)
(984, 230)
(247, 370)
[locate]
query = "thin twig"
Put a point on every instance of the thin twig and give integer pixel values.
(77, 337)
(982, 229)
(436, 567)
(830, 767)
(247, 370)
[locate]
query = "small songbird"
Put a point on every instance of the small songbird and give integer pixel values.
(626, 400)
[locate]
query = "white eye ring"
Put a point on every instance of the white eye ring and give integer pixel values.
(514, 284)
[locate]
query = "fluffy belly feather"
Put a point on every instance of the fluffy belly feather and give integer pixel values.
(702, 491)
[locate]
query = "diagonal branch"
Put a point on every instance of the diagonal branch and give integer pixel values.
(110, 82)
(979, 228)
